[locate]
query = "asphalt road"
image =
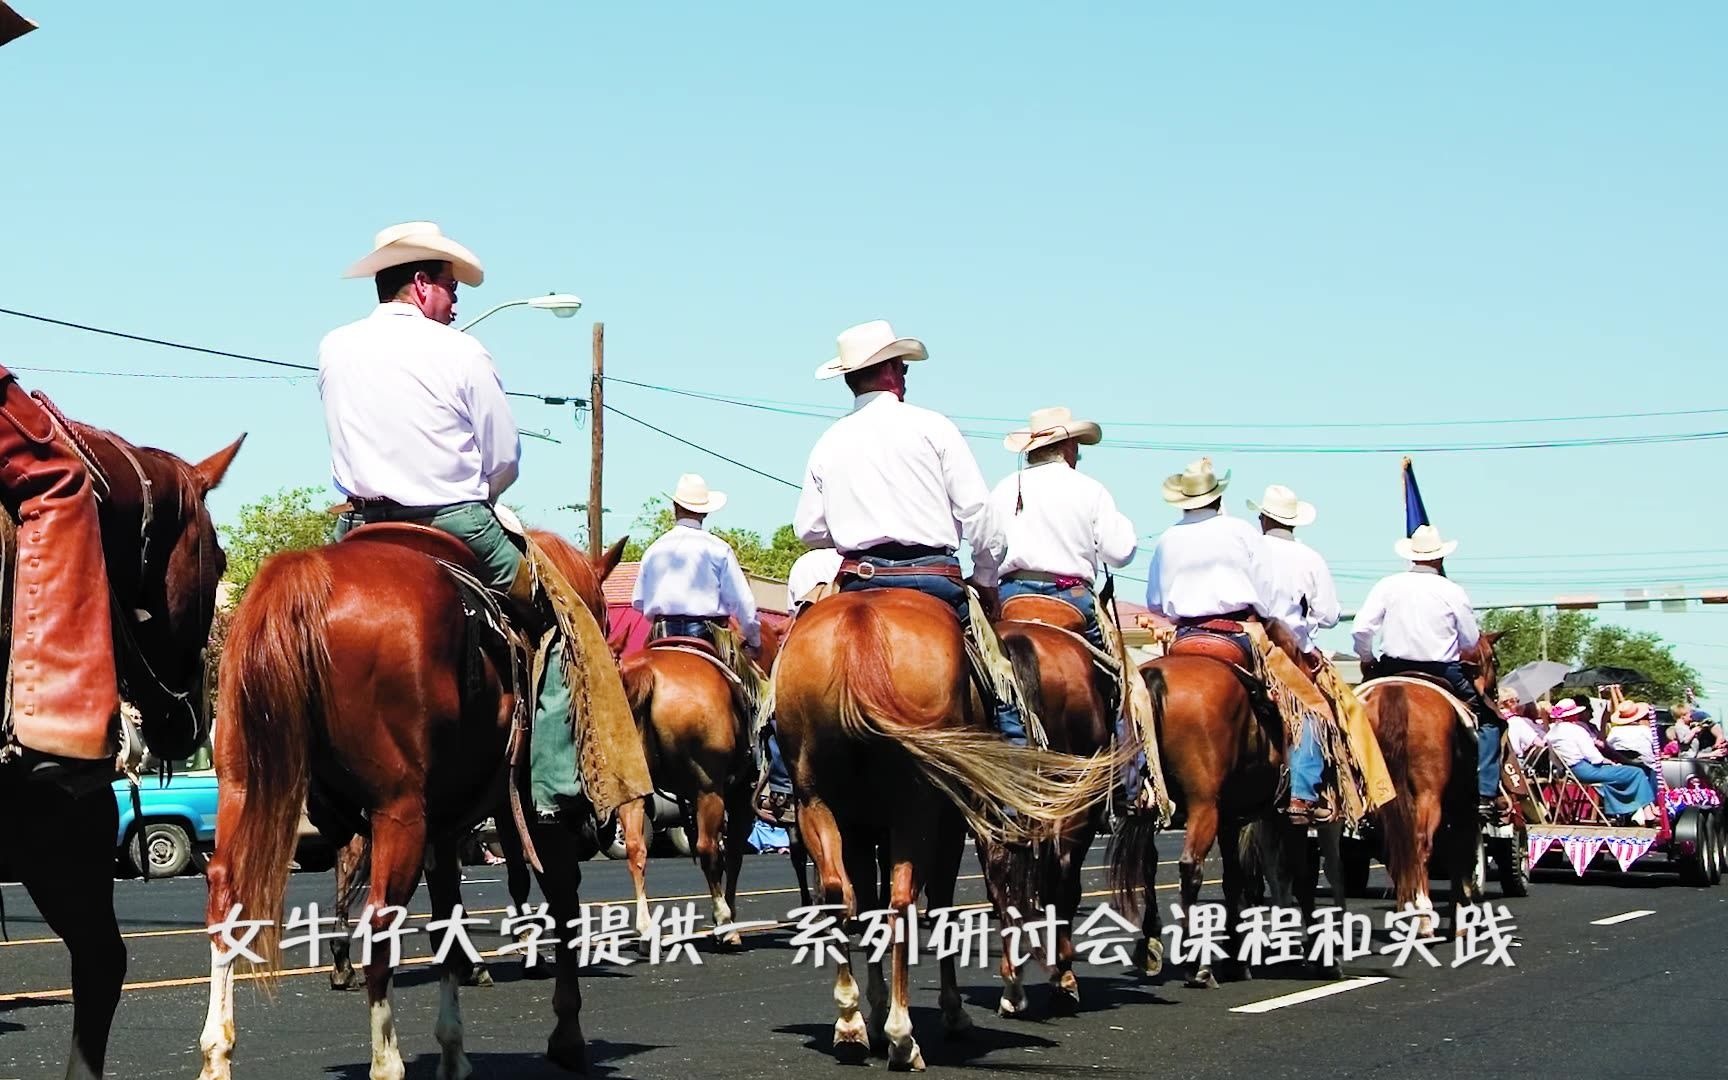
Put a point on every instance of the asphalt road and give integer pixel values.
(1632, 998)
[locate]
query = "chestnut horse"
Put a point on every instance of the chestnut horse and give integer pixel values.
(1432, 759)
(891, 750)
(164, 564)
(354, 674)
(1072, 696)
(696, 729)
(1223, 759)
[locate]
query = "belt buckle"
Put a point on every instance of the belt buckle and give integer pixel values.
(865, 570)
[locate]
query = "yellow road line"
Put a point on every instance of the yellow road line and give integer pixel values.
(420, 961)
(139, 935)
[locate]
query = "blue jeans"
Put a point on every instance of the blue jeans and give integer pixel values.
(1306, 766)
(779, 779)
(1079, 596)
(684, 626)
(1624, 788)
(1489, 724)
(555, 775)
(952, 593)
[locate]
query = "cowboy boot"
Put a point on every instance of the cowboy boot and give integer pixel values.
(65, 695)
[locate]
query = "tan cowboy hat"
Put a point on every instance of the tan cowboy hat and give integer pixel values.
(418, 241)
(1195, 486)
(1630, 712)
(1425, 545)
(869, 344)
(1281, 505)
(1051, 426)
(12, 25)
(692, 494)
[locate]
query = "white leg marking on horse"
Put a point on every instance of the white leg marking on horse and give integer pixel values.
(386, 1055)
(216, 1043)
(453, 1065)
(849, 1028)
(903, 1049)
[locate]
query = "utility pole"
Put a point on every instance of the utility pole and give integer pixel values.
(597, 422)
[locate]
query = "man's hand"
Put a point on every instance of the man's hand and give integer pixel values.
(989, 598)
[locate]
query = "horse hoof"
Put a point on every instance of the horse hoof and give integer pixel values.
(1149, 957)
(572, 1057)
(957, 1025)
(481, 978)
(1010, 1008)
(1065, 1001)
(455, 1067)
(851, 1041)
(908, 1059)
(1203, 980)
(733, 942)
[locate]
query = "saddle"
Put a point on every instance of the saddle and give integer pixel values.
(1049, 610)
(1213, 646)
(426, 540)
(687, 644)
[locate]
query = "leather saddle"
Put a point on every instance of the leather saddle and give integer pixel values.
(701, 645)
(1050, 610)
(1212, 646)
(422, 538)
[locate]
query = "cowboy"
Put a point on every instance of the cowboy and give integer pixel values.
(894, 488)
(1208, 571)
(1058, 524)
(1308, 603)
(1426, 626)
(421, 431)
(690, 582)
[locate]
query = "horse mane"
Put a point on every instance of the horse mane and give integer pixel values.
(574, 565)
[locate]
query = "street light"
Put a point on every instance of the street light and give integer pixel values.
(562, 305)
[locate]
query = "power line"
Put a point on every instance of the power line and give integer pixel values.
(698, 446)
(157, 374)
(549, 399)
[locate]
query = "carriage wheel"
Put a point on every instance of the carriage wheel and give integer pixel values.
(1512, 861)
(1713, 849)
(1695, 868)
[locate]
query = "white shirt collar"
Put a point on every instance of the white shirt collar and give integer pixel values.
(1420, 568)
(871, 397)
(1282, 534)
(398, 307)
(1207, 513)
(690, 523)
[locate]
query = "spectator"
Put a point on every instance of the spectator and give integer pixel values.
(1630, 731)
(1695, 733)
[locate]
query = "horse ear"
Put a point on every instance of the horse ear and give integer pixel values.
(1494, 636)
(211, 470)
(612, 556)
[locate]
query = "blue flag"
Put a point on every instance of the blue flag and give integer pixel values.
(1415, 514)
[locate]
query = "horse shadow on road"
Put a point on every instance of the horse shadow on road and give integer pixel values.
(516, 1066)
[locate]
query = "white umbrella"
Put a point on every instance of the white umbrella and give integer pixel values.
(1535, 679)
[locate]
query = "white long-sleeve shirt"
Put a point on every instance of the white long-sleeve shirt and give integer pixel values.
(818, 566)
(1419, 615)
(415, 411)
(889, 472)
(1210, 564)
(1066, 524)
(1572, 743)
(1306, 596)
(1524, 734)
(695, 574)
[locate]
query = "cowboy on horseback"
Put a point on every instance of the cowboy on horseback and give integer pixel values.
(1426, 626)
(1058, 524)
(421, 432)
(690, 582)
(1310, 603)
(894, 488)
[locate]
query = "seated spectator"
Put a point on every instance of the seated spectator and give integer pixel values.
(1695, 734)
(1628, 791)
(1524, 723)
(1630, 732)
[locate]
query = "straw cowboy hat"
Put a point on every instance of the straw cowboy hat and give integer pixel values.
(692, 494)
(869, 344)
(1281, 505)
(12, 25)
(1051, 426)
(418, 241)
(1195, 486)
(1566, 709)
(1630, 712)
(1425, 545)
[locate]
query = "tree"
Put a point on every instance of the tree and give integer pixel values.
(1645, 652)
(773, 559)
(1523, 627)
(292, 518)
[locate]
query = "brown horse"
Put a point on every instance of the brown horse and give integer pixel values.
(1072, 696)
(1223, 759)
(696, 726)
(1432, 759)
(354, 674)
(889, 747)
(164, 565)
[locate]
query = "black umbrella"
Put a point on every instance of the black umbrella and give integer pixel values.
(1604, 676)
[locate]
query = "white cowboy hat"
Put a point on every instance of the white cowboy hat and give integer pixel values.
(418, 241)
(692, 494)
(12, 25)
(869, 344)
(1051, 426)
(1281, 505)
(1425, 545)
(1195, 486)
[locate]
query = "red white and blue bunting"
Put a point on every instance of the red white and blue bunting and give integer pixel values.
(1581, 850)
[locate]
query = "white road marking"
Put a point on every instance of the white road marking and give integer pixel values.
(1315, 994)
(1625, 916)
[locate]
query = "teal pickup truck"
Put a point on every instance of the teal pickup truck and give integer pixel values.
(174, 826)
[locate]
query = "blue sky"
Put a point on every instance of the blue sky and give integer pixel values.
(1155, 216)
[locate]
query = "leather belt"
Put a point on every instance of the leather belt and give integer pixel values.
(1061, 581)
(865, 571)
(1229, 622)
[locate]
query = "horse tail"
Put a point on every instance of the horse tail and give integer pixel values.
(1028, 870)
(639, 689)
(1398, 817)
(1133, 850)
(1006, 793)
(274, 683)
